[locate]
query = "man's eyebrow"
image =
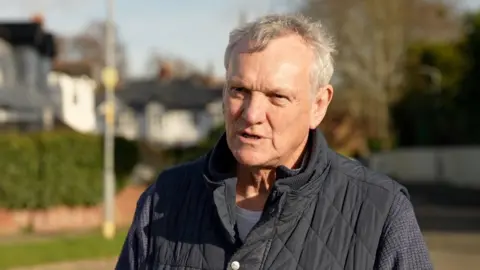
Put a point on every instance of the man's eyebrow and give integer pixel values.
(279, 91)
(236, 81)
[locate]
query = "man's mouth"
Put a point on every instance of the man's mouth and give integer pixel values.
(250, 136)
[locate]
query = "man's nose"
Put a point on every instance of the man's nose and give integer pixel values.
(254, 110)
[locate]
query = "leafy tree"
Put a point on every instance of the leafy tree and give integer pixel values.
(444, 112)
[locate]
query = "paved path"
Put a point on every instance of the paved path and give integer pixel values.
(443, 260)
(104, 264)
(454, 261)
(449, 251)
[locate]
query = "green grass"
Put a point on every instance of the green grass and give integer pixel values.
(58, 249)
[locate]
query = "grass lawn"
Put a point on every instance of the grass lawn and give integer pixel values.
(448, 250)
(59, 248)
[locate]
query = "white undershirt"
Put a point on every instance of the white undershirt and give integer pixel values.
(246, 219)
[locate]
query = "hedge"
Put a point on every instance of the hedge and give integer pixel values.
(40, 170)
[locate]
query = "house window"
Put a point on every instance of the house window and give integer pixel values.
(75, 94)
(155, 113)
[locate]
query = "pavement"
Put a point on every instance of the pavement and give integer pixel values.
(450, 219)
(103, 264)
(443, 259)
(454, 261)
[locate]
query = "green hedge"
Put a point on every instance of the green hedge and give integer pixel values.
(57, 168)
(40, 170)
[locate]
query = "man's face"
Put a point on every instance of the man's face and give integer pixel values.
(269, 103)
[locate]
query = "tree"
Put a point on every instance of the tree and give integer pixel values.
(180, 68)
(89, 47)
(448, 115)
(372, 38)
(470, 95)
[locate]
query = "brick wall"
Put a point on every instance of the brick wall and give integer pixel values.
(59, 219)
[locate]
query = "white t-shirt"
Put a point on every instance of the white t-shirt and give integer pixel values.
(246, 219)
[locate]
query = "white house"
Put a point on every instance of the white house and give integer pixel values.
(75, 101)
(175, 113)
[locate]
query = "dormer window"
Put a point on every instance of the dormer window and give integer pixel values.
(7, 64)
(27, 63)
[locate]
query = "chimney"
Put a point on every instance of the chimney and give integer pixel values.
(37, 18)
(165, 72)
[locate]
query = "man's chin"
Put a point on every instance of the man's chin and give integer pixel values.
(249, 158)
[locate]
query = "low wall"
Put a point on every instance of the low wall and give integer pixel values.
(457, 166)
(60, 219)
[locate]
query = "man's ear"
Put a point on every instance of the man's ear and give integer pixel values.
(224, 96)
(322, 99)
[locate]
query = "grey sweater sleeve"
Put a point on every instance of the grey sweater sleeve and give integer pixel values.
(134, 250)
(402, 246)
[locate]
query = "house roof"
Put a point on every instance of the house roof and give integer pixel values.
(175, 94)
(21, 33)
(73, 68)
(29, 34)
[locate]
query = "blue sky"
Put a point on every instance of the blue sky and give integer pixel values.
(196, 30)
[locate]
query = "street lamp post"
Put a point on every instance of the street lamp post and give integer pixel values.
(110, 79)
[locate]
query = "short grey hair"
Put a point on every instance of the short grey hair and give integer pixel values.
(266, 28)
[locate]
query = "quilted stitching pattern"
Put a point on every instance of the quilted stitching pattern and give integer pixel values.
(293, 248)
(339, 228)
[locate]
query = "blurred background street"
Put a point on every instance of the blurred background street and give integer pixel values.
(98, 97)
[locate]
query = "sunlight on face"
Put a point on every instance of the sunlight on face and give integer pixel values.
(268, 102)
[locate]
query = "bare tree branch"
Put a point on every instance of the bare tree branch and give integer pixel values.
(89, 47)
(372, 38)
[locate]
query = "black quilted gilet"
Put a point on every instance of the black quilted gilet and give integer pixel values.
(329, 216)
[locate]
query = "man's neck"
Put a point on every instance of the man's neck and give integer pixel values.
(253, 187)
(254, 184)
(254, 181)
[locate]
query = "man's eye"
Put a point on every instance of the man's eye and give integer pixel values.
(238, 89)
(278, 97)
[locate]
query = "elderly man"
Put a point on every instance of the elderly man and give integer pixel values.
(271, 194)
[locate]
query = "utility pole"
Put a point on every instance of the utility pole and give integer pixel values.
(110, 80)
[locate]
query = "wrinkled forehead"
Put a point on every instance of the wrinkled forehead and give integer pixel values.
(286, 44)
(283, 62)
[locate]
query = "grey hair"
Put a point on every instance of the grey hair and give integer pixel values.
(266, 28)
